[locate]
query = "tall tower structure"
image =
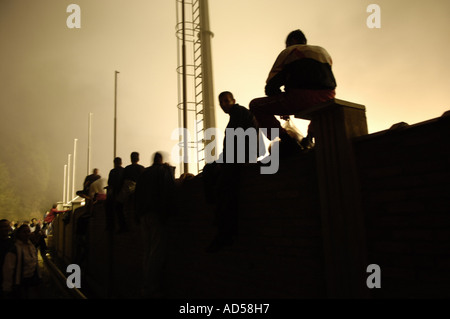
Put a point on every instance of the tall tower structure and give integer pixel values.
(195, 83)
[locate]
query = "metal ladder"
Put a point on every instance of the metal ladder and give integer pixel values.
(194, 84)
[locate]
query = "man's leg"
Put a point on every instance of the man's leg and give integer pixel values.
(264, 109)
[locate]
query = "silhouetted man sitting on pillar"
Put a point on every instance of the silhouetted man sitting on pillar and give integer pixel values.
(306, 74)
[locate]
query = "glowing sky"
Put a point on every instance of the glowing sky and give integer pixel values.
(52, 77)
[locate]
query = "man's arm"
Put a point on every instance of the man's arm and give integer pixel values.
(277, 75)
(274, 84)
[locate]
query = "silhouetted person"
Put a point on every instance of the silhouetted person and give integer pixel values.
(306, 74)
(37, 237)
(240, 118)
(20, 268)
(154, 191)
(87, 183)
(96, 194)
(97, 190)
(33, 224)
(114, 208)
(129, 178)
(51, 215)
(222, 177)
(6, 243)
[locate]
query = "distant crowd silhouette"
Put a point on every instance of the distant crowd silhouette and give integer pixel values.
(20, 243)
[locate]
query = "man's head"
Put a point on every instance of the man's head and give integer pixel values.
(23, 233)
(157, 158)
(295, 37)
(134, 157)
(226, 101)
(117, 162)
(95, 171)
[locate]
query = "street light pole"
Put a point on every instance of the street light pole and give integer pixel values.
(68, 177)
(185, 139)
(115, 114)
(64, 185)
(74, 166)
(89, 144)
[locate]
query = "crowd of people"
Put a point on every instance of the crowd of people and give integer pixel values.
(146, 191)
(20, 243)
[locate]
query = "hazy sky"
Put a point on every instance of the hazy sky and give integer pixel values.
(52, 77)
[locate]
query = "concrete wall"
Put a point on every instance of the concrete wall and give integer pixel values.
(404, 179)
(278, 252)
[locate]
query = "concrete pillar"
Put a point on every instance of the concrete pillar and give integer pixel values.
(335, 124)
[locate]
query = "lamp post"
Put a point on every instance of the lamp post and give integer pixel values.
(68, 177)
(115, 114)
(64, 185)
(89, 144)
(74, 166)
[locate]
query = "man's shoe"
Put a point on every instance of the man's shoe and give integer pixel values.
(307, 143)
(289, 146)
